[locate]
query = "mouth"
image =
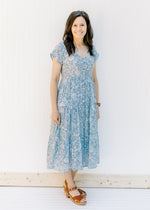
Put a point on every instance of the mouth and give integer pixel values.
(79, 33)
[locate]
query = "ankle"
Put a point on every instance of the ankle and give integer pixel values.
(70, 183)
(74, 174)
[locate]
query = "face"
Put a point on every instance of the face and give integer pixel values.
(79, 28)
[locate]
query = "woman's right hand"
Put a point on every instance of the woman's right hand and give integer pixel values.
(55, 117)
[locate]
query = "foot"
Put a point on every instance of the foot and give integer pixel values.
(74, 192)
(82, 192)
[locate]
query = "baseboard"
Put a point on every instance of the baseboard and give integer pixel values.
(82, 180)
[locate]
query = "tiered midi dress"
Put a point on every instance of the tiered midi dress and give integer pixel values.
(74, 143)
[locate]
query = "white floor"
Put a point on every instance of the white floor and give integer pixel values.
(46, 198)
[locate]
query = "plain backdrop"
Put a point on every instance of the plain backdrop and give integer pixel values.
(29, 29)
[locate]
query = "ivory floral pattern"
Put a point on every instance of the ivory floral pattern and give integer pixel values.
(74, 144)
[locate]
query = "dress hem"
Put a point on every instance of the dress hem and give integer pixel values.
(81, 168)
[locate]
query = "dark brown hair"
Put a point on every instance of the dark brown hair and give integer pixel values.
(68, 37)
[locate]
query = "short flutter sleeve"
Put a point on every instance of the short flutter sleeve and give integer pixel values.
(57, 53)
(96, 54)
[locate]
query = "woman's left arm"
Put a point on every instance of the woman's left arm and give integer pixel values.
(95, 80)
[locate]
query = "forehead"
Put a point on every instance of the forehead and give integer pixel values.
(79, 19)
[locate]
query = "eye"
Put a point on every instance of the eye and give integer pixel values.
(76, 25)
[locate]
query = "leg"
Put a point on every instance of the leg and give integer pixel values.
(71, 184)
(73, 177)
(68, 177)
(73, 173)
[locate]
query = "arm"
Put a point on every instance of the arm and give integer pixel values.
(95, 82)
(56, 69)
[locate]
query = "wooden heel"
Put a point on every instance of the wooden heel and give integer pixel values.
(67, 194)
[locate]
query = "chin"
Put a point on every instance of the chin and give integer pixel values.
(79, 37)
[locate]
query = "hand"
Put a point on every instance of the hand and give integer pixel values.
(55, 117)
(98, 113)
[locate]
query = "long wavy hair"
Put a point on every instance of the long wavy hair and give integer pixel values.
(68, 37)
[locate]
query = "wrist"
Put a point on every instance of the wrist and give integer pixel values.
(98, 104)
(54, 109)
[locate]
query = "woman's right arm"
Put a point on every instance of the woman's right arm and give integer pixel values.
(56, 69)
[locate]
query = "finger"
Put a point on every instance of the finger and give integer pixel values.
(59, 119)
(55, 121)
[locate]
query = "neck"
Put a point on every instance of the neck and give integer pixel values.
(78, 42)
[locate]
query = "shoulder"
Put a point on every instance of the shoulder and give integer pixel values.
(60, 48)
(60, 45)
(57, 45)
(96, 54)
(58, 52)
(94, 49)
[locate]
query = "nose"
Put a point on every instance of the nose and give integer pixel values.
(79, 28)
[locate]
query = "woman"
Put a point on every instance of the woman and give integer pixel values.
(73, 140)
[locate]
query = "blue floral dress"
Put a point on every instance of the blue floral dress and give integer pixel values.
(74, 143)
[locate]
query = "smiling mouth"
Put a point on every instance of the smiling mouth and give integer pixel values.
(79, 32)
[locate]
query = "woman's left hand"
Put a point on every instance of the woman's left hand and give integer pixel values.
(98, 113)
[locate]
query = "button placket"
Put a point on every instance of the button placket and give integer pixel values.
(83, 95)
(83, 86)
(83, 74)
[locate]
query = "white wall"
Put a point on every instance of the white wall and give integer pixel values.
(29, 29)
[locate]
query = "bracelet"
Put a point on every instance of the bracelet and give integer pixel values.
(98, 104)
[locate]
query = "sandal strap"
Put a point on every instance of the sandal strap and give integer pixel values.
(77, 197)
(82, 191)
(72, 188)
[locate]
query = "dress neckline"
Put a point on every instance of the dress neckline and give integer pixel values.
(81, 56)
(75, 53)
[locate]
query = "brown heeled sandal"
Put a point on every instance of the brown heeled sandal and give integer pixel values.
(76, 199)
